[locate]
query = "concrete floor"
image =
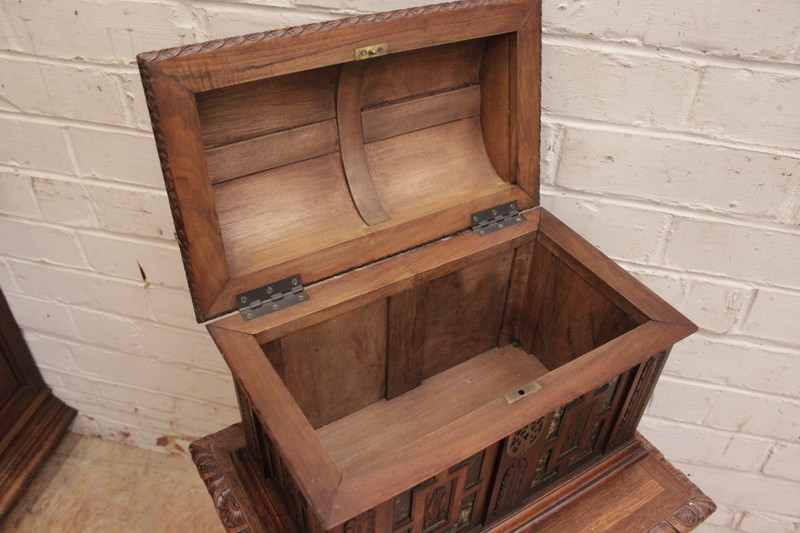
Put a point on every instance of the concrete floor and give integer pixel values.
(92, 485)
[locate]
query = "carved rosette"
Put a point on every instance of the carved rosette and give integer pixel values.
(228, 510)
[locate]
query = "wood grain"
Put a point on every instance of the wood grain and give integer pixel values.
(525, 120)
(409, 75)
(292, 435)
(351, 140)
(464, 313)
(495, 105)
(272, 150)
(381, 280)
(564, 317)
(339, 366)
(406, 340)
(412, 115)
(357, 440)
(249, 110)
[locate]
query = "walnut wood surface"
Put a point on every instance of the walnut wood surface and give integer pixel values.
(339, 366)
(32, 420)
(247, 121)
(398, 468)
(631, 491)
(406, 340)
(351, 140)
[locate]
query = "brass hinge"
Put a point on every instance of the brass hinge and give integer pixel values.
(495, 218)
(273, 297)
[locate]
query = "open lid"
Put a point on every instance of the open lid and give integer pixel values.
(283, 153)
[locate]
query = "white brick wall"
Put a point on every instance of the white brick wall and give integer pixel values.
(671, 140)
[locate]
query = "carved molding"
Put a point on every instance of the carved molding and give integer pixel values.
(219, 44)
(693, 512)
(169, 183)
(228, 510)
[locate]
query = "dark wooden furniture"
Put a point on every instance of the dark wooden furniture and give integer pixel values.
(32, 420)
(419, 347)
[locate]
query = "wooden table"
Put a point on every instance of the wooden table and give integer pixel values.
(647, 495)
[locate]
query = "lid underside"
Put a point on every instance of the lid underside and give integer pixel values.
(284, 156)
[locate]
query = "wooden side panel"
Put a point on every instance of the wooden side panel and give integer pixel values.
(406, 342)
(565, 317)
(546, 450)
(463, 313)
(495, 111)
(337, 367)
(420, 72)
(257, 108)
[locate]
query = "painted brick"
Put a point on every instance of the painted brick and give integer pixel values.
(75, 92)
(356, 6)
(619, 231)
(7, 281)
(194, 428)
(161, 263)
(52, 377)
(107, 330)
(134, 396)
(133, 414)
(705, 446)
(746, 491)
(760, 28)
(681, 401)
(715, 307)
(670, 288)
(117, 156)
(21, 81)
(64, 202)
(23, 144)
(766, 106)
(774, 315)
(615, 88)
(755, 414)
(738, 252)
(42, 315)
(168, 344)
(135, 212)
(784, 462)
(174, 307)
(765, 523)
(225, 415)
(50, 352)
(744, 366)
(222, 21)
(107, 31)
(620, 20)
(84, 403)
(139, 372)
(40, 243)
(85, 425)
(723, 517)
(82, 289)
(679, 172)
(16, 196)
(550, 148)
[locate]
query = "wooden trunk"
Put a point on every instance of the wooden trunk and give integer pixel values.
(420, 347)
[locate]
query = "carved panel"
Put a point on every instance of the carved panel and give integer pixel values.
(452, 501)
(576, 433)
(648, 373)
(363, 523)
(437, 507)
(522, 440)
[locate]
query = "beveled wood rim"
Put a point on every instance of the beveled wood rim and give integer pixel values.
(343, 496)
